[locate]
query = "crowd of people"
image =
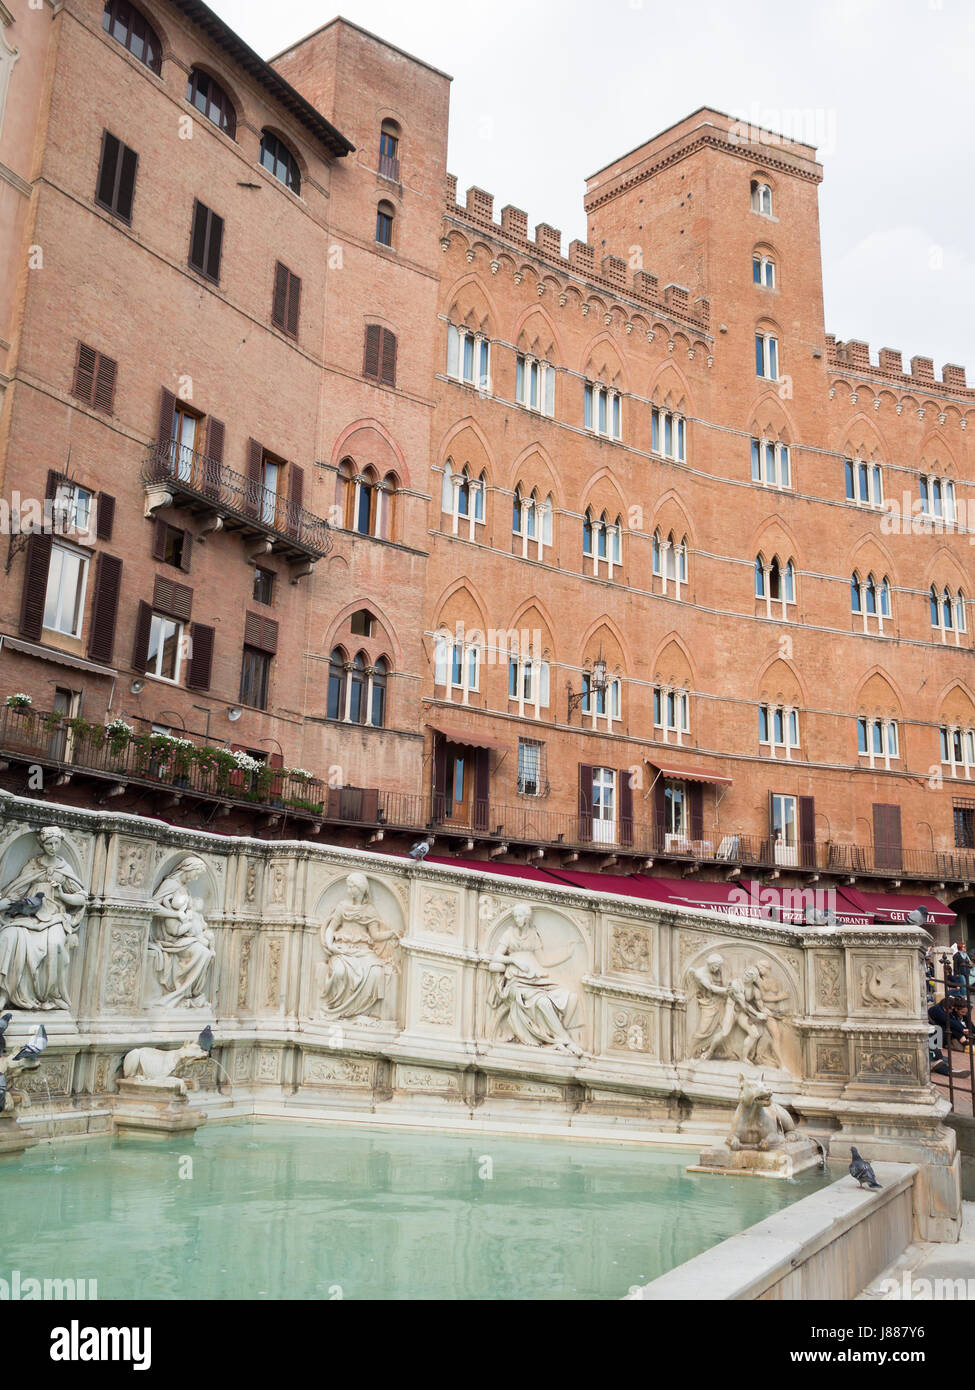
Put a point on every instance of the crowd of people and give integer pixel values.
(949, 1011)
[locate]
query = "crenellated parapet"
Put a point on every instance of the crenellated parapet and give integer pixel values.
(854, 355)
(636, 287)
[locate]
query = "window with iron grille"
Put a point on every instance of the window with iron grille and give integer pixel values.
(964, 818)
(532, 779)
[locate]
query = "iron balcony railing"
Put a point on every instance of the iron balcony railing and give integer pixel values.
(208, 481)
(185, 767)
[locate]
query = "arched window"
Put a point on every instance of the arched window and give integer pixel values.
(206, 94)
(335, 708)
(389, 150)
(357, 690)
(462, 498)
(775, 583)
(385, 495)
(385, 213)
(761, 198)
(948, 612)
(871, 595)
(856, 598)
(133, 31)
(278, 160)
(763, 270)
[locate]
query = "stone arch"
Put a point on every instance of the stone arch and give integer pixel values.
(670, 514)
(535, 333)
(771, 420)
(468, 303)
(672, 663)
(456, 604)
(533, 467)
(605, 632)
(368, 441)
(603, 492)
(779, 683)
(602, 362)
(861, 438)
(669, 388)
(956, 705)
(876, 695)
(388, 643)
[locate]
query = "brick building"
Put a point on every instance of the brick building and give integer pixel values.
(609, 560)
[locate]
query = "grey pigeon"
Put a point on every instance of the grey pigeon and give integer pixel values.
(420, 850)
(24, 907)
(4, 1021)
(33, 1047)
(918, 916)
(205, 1040)
(861, 1170)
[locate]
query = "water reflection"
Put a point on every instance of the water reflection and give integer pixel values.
(280, 1210)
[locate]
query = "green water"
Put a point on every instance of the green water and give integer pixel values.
(325, 1211)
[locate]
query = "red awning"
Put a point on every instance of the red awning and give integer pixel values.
(687, 774)
(892, 908)
(487, 866)
(468, 739)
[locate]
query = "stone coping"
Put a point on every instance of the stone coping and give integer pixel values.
(746, 1265)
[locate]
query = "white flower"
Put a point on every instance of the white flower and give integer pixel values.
(246, 762)
(119, 726)
(301, 774)
(20, 699)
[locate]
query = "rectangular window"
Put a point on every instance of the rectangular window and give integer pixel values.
(72, 511)
(115, 189)
(531, 767)
(667, 433)
(778, 726)
(602, 411)
(255, 675)
(767, 356)
(963, 813)
(94, 378)
(535, 385)
(165, 648)
(771, 463)
(263, 585)
(285, 300)
(206, 241)
(67, 580)
(784, 820)
(468, 357)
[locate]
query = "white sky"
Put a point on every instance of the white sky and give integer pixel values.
(547, 91)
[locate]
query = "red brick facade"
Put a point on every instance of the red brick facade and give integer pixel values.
(603, 396)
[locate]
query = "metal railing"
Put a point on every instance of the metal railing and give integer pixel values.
(940, 991)
(73, 745)
(202, 477)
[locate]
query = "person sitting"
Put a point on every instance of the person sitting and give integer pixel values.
(946, 1014)
(939, 1066)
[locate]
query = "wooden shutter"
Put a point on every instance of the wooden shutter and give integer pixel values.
(167, 410)
(279, 300)
(140, 646)
(53, 480)
(659, 814)
(103, 397)
(198, 235)
(585, 801)
(807, 831)
(107, 171)
(695, 801)
(216, 434)
(104, 611)
(116, 177)
(482, 789)
(626, 806)
(255, 473)
(887, 836)
(387, 368)
(159, 539)
(84, 373)
(215, 246)
(201, 657)
(184, 559)
(126, 184)
(261, 632)
(38, 562)
(439, 776)
(104, 516)
(294, 301)
(171, 598)
(370, 361)
(297, 491)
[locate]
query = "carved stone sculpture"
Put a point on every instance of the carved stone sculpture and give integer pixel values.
(157, 1063)
(759, 1123)
(531, 1007)
(181, 943)
(763, 1140)
(882, 986)
(40, 913)
(738, 1015)
(361, 954)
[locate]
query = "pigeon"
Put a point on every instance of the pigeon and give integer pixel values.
(4, 1021)
(24, 907)
(918, 916)
(205, 1040)
(33, 1047)
(420, 850)
(861, 1170)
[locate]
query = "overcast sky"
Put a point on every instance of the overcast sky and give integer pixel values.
(547, 91)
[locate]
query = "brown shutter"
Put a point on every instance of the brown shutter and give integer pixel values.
(84, 373)
(104, 516)
(387, 370)
(279, 300)
(255, 473)
(198, 235)
(159, 539)
(104, 611)
(53, 479)
(140, 646)
(695, 798)
(297, 492)
(887, 836)
(167, 408)
(626, 806)
(126, 183)
(104, 393)
(107, 169)
(201, 657)
(370, 362)
(585, 802)
(659, 813)
(38, 561)
(482, 788)
(174, 599)
(261, 632)
(439, 774)
(807, 831)
(294, 301)
(216, 433)
(184, 562)
(215, 246)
